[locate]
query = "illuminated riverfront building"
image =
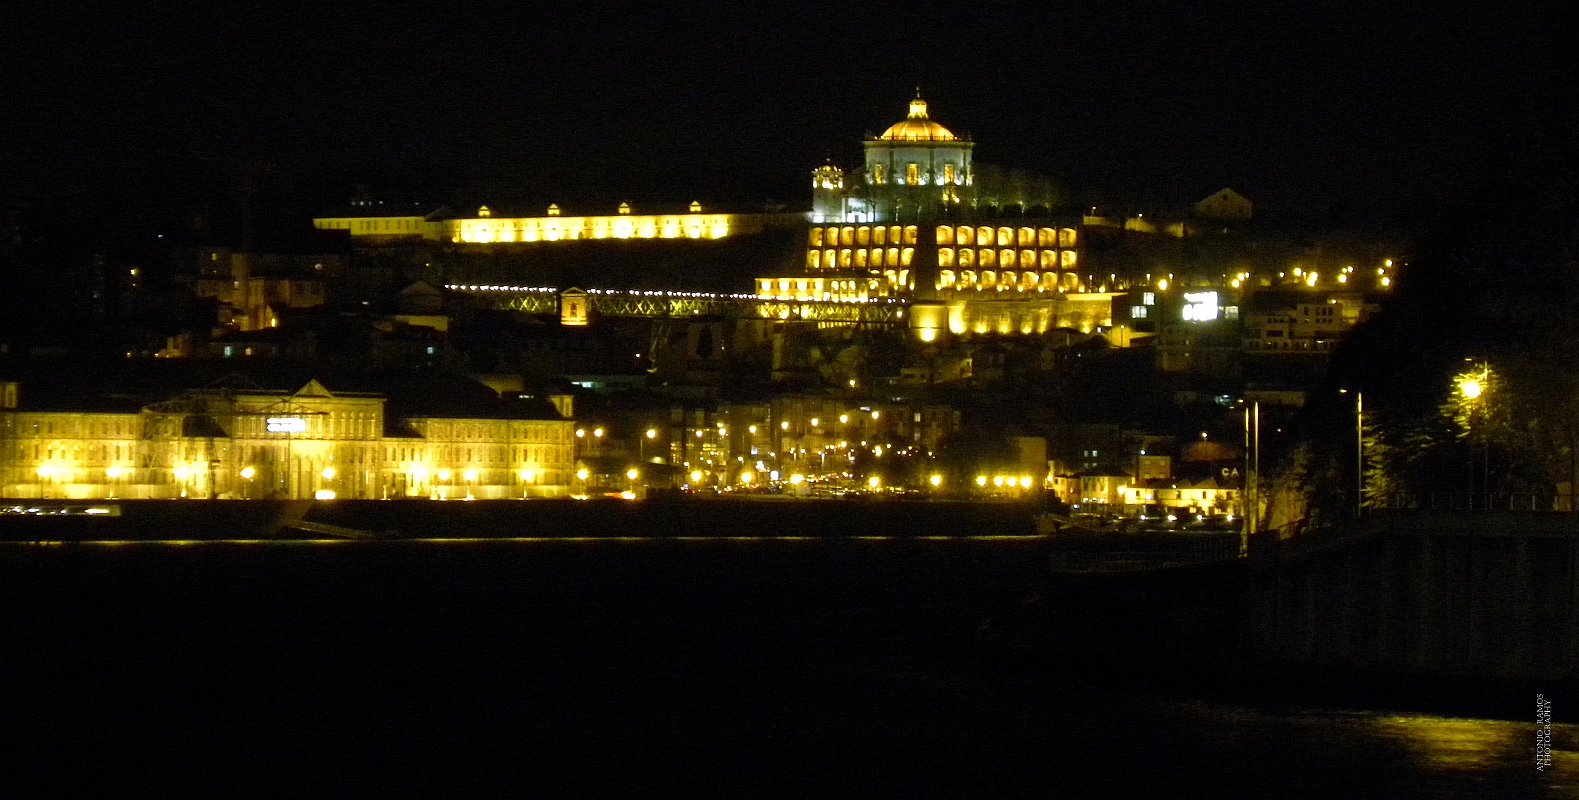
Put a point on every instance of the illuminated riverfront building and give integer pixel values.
(248, 442)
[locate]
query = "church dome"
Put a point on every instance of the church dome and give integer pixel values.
(917, 128)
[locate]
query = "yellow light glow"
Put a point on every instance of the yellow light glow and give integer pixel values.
(526, 474)
(469, 475)
(1388, 262)
(844, 417)
(115, 472)
(876, 415)
(597, 432)
(44, 471)
(651, 433)
(628, 495)
(581, 433)
(180, 472)
(797, 479)
(935, 480)
(632, 474)
(1162, 283)
(581, 474)
(981, 480)
(444, 474)
(696, 476)
(752, 428)
(1470, 388)
(1025, 481)
(328, 473)
(1310, 279)
(784, 426)
(1387, 281)
(746, 477)
(323, 494)
(814, 422)
(997, 480)
(874, 481)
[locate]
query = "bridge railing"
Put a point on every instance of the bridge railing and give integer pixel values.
(1474, 501)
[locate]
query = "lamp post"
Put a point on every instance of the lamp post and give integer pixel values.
(1471, 387)
(1359, 451)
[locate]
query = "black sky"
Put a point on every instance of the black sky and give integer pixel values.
(1302, 108)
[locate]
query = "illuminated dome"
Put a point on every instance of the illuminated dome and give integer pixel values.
(917, 128)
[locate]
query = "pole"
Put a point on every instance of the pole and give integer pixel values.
(1256, 470)
(1359, 455)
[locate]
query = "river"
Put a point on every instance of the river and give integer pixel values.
(639, 667)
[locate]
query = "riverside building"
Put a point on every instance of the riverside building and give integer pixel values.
(243, 442)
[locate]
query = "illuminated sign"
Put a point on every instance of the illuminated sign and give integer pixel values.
(1200, 306)
(286, 425)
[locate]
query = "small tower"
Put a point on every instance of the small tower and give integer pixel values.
(573, 307)
(827, 194)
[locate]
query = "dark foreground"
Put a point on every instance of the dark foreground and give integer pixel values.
(699, 668)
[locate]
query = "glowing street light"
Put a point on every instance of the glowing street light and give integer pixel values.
(935, 480)
(1470, 387)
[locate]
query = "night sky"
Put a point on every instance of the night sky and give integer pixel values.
(1372, 106)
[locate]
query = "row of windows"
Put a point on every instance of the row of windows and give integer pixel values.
(876, 257)
(1022, 281)
(863, 235)
(915, 176)
(1006, 236)
(1007, 257)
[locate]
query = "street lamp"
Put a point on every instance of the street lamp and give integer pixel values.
(247, 473)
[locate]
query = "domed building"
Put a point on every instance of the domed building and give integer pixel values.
(913, 171)
(907, 228)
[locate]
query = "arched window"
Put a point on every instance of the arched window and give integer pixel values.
(877, 257)
(1006, 258)
(1067, 259)
(1005, 236)
(988, 278)
(844, 257)
(945, 234)
(912, 174)
(984, 236)
(1049, 259)
(1066, 237)
(967, 257)
(987, 257)
(893, 256)
(879, 235)
(813, 259)
(945, 278)
(847, 236)
(966, 235)
(906, 255)
(1028, 259)
(912, 235)
(863, 235)
(1027, 237)
(945, 256)
(1007, 280)
(1047, 237)
(860, 257)
(816, 237)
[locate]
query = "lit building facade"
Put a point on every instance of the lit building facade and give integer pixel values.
(485, 227)
(908, 227)
(253, 443)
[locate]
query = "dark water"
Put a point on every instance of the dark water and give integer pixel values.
(637, 668)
